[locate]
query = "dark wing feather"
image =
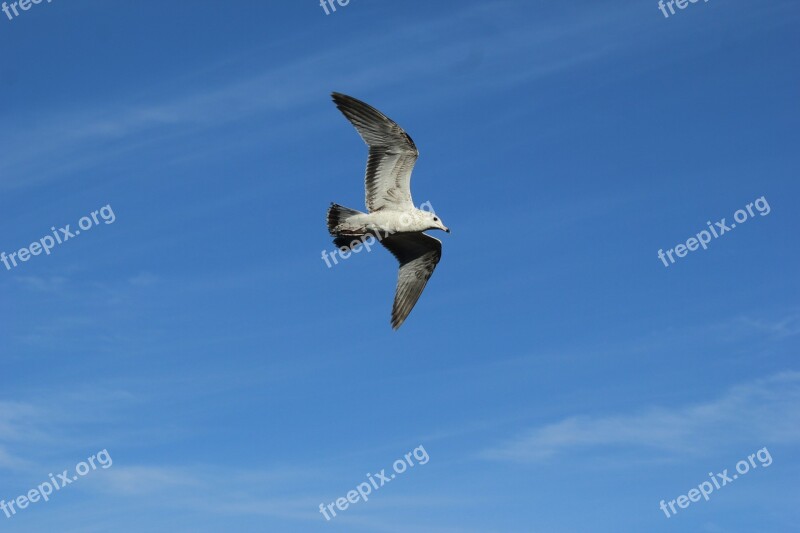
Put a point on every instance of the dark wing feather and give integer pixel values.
(418, 255)
(392, 155)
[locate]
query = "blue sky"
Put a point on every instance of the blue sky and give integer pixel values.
(560, 378)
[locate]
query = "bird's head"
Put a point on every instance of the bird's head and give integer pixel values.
(436, 222)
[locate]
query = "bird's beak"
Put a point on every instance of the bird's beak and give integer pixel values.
(447, 230)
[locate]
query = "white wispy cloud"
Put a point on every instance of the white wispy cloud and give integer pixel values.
(42, 284)
(34, 432)
(143, 480)
(766, 410)
(788, 326)
(19, 427)
(42, 147)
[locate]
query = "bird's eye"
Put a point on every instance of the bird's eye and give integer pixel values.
(435, 219)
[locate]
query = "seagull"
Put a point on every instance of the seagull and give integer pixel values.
(391, 217)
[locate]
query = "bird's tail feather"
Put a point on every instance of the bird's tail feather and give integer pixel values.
(337, 217)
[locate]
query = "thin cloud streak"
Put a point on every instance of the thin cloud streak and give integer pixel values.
(765, 410)
(67, 142)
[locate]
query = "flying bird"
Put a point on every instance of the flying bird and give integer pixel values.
(391, 217)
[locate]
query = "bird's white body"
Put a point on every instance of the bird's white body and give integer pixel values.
(389, 222)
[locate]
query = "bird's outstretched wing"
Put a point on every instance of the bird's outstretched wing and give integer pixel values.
(392, 155)
(418, 255)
